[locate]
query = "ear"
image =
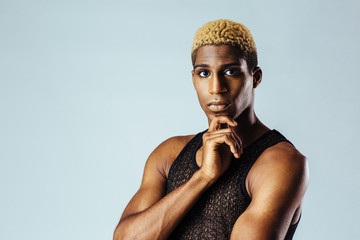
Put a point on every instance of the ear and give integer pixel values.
(257, 76)
(193, 76)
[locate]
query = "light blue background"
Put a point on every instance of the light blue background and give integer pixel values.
(89, 88)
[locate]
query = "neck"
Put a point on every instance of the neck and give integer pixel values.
(249, 127)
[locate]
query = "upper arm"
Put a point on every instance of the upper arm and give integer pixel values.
(277, 183)
(153, 185)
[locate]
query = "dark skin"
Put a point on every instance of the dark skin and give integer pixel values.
(276, 183)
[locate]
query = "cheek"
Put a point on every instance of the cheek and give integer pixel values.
(202, 95)
(200, 91)
(243, 95)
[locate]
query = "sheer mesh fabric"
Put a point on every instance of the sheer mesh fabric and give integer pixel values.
(215, 213)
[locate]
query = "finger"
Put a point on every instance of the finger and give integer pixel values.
(215, 141)
(237, 141)
(232, 134)
(238, 144)
(218, 120)
(218, 132)
(237, 147)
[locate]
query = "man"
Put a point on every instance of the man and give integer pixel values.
(238, 179)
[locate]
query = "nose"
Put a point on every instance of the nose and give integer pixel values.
(217, 85)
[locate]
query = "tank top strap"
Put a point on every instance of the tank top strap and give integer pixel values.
(255, 149)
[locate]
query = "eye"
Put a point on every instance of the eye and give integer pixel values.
(232, 72)
(203, 73)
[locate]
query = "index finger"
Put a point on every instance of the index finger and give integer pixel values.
(218, 120)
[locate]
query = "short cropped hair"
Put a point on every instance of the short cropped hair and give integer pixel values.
(226, 32)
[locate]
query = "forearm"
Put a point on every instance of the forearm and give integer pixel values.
(158, 221)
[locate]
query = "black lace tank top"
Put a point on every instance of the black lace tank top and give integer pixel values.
(215, 213)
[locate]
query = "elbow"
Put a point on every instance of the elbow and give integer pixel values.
(121, 234)
(124, 232)
(117, 234)
(130, 230)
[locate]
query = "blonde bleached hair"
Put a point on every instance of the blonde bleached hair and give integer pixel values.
(226, 32)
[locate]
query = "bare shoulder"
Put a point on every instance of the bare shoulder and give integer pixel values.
(280, 165)
(153, 185)
(164, 155)
(284, 155)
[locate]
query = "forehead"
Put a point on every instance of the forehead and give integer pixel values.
(221, 54)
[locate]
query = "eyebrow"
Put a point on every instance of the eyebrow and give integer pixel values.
(201, 65)
(223, 66)
(231, 64)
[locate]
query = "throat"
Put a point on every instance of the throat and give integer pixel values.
(249, 127)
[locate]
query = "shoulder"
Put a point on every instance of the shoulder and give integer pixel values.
(283, 155)
(165, 154)
(276, 183)
(280, 166)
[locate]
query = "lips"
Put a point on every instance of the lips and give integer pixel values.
(218, 106)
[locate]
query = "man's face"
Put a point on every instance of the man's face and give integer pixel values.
(222, 81)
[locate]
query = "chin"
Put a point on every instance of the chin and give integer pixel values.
(217, 114)
(223, 114)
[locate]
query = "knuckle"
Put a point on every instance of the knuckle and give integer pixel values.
(215, 119)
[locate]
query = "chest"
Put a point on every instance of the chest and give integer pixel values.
(218, 208)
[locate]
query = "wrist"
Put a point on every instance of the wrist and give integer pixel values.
(203, 178)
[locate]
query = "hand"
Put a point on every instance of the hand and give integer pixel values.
(218, 147)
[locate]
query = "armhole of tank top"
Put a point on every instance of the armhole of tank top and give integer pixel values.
(185, 148)
(291, 230)
(193, 155)
(243, 183)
